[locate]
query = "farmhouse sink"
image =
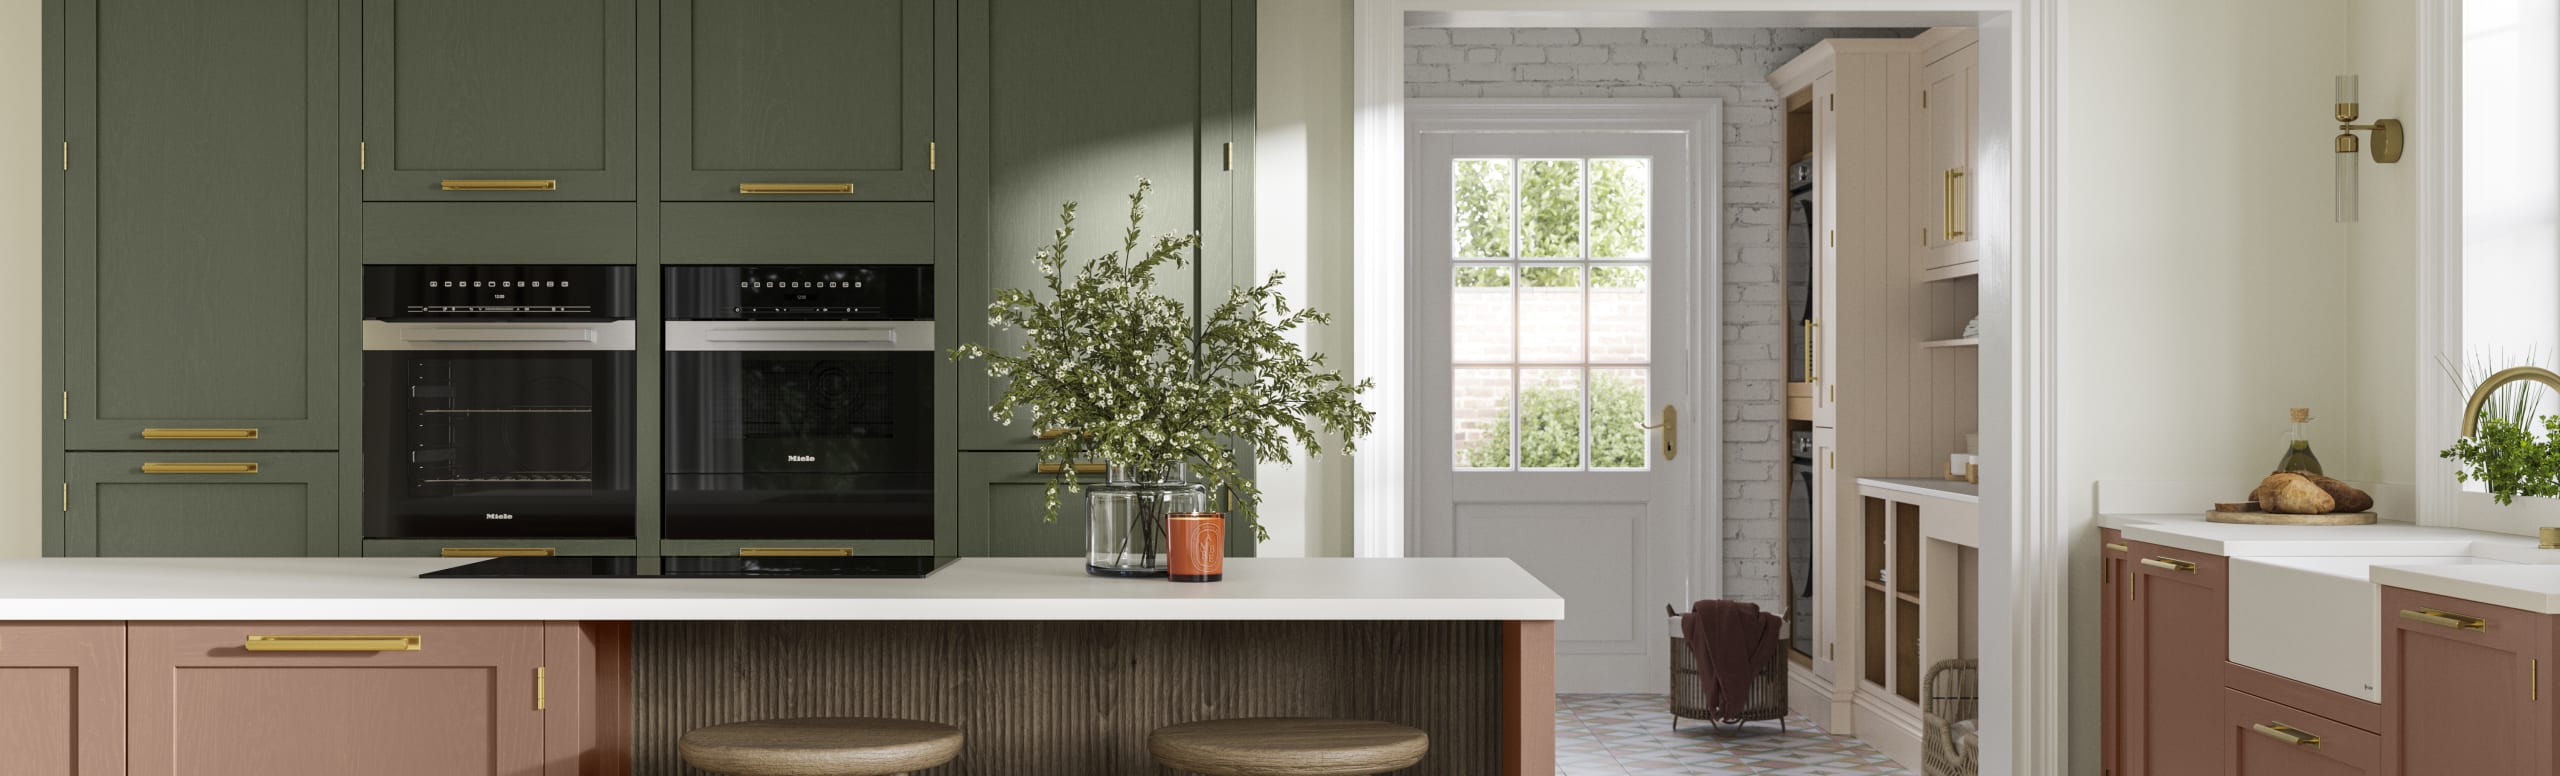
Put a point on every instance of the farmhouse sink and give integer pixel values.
(2316, 620)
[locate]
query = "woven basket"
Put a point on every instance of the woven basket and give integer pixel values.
(1768, 689)
(1952, 698)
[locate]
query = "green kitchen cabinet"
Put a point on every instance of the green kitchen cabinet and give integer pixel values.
(201, 505)
(499, 100)
(199, 280)
(1075, 102)
(797, 100)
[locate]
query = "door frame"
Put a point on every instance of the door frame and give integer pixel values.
(1703, 120)
(2028, 711)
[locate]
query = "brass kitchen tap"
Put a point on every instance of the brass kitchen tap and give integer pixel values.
(2480, 396)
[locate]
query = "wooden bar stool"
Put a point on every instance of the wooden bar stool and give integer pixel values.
(1288, 746)
(821, 746)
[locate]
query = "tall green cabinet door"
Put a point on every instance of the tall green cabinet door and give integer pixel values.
(797, 100)
(496, 100)
(200, 244)
(1074, 102)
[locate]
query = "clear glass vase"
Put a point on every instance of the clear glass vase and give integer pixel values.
(1125, 524)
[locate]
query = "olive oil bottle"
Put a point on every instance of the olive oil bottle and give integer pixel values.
(2297, 449)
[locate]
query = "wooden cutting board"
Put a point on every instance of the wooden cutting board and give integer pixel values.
(2271, 518)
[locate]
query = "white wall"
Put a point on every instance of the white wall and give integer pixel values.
(21, 265)
(1302, 226)
(2204, 287)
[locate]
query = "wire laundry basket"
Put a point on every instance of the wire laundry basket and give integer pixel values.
(1689, 698)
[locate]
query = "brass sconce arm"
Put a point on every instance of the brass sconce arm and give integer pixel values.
(2480, 396)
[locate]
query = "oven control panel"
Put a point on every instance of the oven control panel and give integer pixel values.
(499, 292)
(897, 292)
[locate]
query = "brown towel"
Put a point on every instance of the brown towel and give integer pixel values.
(1730, 640)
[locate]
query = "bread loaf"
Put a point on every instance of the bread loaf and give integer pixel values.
(2348, 497)
(2293, 493)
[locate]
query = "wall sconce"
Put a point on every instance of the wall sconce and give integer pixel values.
(2387, 141)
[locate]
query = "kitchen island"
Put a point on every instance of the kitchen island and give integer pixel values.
(293, 665)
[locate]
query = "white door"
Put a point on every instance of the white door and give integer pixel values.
(1552, 284)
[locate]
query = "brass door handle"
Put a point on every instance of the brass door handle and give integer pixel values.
(1052, 467)
(795, 552)
(795, 188)
(2114, 547)
(199, 433)
(2172, 564)
(2286, 733)
(1950, 215)
(1670, 427)
(334, 644)
(498, 552)
(199, 468)
(2446, 619)
(500, 185)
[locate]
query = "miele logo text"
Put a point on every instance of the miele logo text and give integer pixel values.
(499, 516)
(801, 458)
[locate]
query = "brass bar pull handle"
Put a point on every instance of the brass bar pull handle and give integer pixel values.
(1808, 350)
(1053, 433)
(795, 552)
(2114, 547)
(1951, 213)
(1812, 351)
(199, 468)
(2447, 619)
(2286, 733)
(1670, 428)
(334, 644)
(498, 552)
(500, 185)
(1052, 467)
(199, 433)
(2172, 564)
(795, 188)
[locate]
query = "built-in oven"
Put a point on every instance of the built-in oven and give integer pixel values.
(499, 402)
(799, 402)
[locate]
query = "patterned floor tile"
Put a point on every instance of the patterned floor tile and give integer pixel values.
(1628, 735)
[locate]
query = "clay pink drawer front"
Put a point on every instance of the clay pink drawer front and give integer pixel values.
(2267, 738)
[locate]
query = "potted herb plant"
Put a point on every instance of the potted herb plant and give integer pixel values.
(1125, 376)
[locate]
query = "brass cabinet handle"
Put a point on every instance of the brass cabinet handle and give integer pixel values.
(1052, 467)
(199, 433)
(334, 644)
(199, 468)
(1812, 354)
(498, 552)
(795, 188)
(501, 185)
(2114, 547)
(2172, 564)
(795, 552)
(2286, 733)
(1950, 216)
(1053, 433)
(2447, 619)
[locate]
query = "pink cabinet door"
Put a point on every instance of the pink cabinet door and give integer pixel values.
(2171, 673)
(217, 699)
(2267, 738)
(62, 699)
(2111, 610)
(2463, 688)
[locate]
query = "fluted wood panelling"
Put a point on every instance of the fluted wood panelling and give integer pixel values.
(1072, 698)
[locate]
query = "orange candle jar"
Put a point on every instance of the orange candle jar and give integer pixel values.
(1198, 546)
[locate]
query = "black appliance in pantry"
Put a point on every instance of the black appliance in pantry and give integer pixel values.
(499, 401)
(799, 403)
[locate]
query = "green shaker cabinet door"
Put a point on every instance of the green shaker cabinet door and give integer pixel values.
(1074, 102)
(202, 505)
(1003, 509)
(797, 100)
(200, 253)
(496, 100)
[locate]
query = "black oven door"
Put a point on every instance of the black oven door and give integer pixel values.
(499, 444)
(766, 442)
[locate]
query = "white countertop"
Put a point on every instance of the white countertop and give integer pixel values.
(2519, 576)
(969, 589)
(1952, 490)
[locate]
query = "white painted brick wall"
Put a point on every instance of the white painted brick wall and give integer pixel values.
(1733, 65)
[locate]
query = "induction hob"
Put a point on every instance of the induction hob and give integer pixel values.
(872, 566)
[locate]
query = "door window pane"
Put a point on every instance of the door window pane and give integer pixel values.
(1481, 200)
(1480, 309)
(1551, 208)
(1480, 406)
(1550, 314)
(1621, 314)
(1618, 412)
(1620, 200)
(1551, 418)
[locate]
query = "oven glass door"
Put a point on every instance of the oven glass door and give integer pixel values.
(799, 445)
(482, 444)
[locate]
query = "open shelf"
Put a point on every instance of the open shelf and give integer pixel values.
(1962, 342)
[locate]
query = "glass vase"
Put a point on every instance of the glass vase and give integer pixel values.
(1125, 525)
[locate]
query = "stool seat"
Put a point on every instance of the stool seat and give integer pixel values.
(821, 746)
(1288, 746)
